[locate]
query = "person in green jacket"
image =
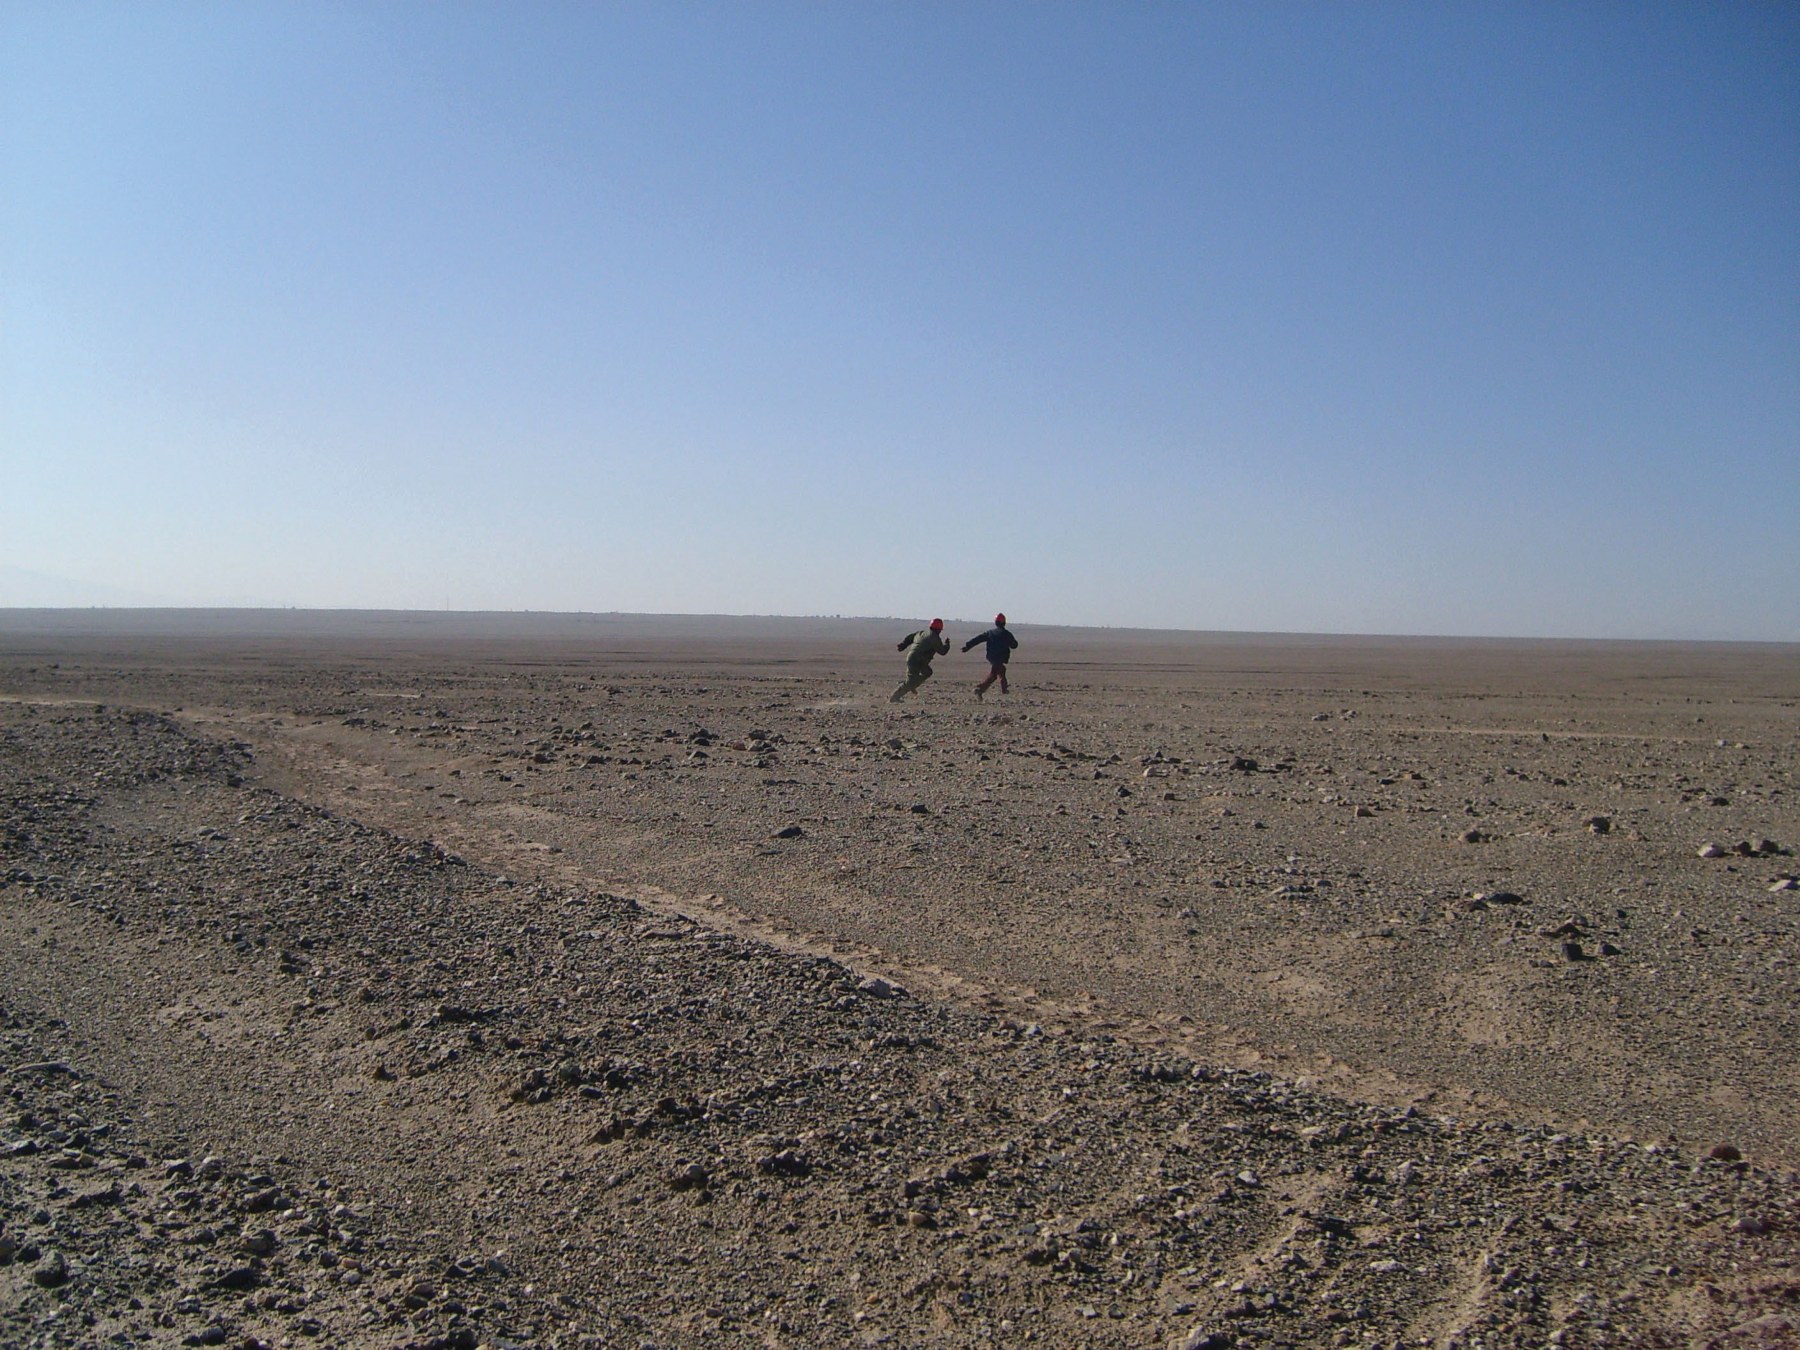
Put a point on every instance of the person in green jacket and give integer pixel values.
(925, 644)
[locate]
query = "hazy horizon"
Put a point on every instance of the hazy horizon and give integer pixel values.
(227, 621)
(1398, 319)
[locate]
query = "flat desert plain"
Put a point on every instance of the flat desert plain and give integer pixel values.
(557, 980)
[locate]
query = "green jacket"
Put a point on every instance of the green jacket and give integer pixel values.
(925, 644)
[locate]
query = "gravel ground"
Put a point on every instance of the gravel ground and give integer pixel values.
(389, 997)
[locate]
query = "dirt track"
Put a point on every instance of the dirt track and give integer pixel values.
(1358, 867)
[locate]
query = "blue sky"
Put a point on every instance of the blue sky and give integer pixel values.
(1397, 318)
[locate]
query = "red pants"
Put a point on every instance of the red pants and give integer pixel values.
(996, 671)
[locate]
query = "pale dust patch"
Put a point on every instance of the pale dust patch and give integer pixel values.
(1298, 1197)
(1458, 1306)
(1302, 992)
(1489, 1009)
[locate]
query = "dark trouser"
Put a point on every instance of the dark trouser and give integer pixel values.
(914, 678)
(996, 671)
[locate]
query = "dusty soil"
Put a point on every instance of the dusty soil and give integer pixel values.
(537, 980)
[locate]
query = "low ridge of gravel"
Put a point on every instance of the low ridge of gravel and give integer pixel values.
(275, 1076)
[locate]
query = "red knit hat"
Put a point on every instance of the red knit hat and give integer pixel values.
(937, 625)
(1000, 619)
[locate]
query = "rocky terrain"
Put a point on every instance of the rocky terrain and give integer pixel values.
(667, 987)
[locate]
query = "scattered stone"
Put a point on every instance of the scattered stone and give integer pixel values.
(52, 1271)
(1064, 1183)
(787, 1162)
(261, 1242)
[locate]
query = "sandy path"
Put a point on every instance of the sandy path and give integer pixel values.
(1335, 948)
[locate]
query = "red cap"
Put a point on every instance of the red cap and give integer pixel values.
(937, 625)
(1000, 619)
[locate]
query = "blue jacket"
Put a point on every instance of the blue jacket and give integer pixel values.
(1000, 644)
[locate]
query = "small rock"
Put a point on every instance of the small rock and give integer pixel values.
(263, 1201)
(1725, 1153)
(1711, 851)
(50, 1272)
(789, 832)
(970, 1169)
(1599, 824)
(1471, 837)
(260, 1243)
(238, 1277)
(688, 1177)
(787, 1163)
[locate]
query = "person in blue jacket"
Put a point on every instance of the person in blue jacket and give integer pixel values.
(1000, 644)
